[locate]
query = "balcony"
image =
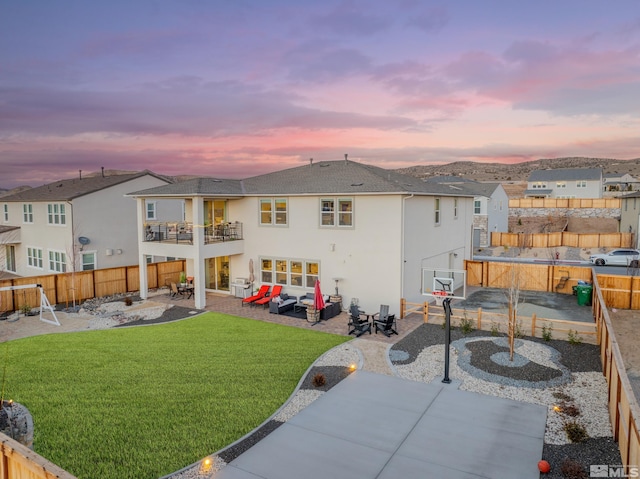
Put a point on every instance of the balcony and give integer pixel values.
(182, 232)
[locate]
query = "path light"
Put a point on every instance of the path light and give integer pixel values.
(352, 367)
(206, 464)
(556, 408)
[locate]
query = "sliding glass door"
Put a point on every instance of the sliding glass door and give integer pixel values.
(217, 273)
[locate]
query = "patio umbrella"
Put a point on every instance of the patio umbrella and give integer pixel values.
(252, 277)
(318, 300)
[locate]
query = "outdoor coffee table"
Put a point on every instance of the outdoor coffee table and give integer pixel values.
(299, 307)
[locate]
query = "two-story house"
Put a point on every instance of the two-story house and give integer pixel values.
(630, 215)
(490, 206)
(565, 183)
(74, 224)
(369, 230)
(614, 183)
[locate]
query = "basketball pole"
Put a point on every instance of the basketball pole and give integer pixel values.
(446, 304)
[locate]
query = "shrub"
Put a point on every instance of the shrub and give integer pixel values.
(562, 396)
(495, 328)
(319, 380)
(572, 469)
(569, 410)
(25, 308)
(575, 431)
(466, 324)
(546, 332)
(518, 333)
(573, 337)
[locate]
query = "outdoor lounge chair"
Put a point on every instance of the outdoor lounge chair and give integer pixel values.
(357, 325)
(174, 291)
(277, 289)
(385, 322)
(262, 292)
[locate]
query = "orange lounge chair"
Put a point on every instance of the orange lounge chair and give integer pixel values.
(262, 292)
(265, 301)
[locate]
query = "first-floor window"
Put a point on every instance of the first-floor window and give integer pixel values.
(34, 257)
(88, 261)
(10, 257)
(57, 261)
(291, 272)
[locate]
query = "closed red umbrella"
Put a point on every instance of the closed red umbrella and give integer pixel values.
(318, 300)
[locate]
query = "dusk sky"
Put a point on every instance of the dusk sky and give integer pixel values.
(238, 88)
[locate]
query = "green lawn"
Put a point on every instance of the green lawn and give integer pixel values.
(144, 402)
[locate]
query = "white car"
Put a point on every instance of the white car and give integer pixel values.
(617, 257)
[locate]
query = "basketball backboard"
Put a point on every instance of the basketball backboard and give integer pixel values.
(452, 281)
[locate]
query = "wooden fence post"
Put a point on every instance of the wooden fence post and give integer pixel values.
(402, 307)
(533, 325)
(425, 312)
(479, 318)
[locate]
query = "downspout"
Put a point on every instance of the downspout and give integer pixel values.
(404, 220)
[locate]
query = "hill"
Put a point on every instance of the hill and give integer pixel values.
(518, 172)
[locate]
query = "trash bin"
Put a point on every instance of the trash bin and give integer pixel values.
(584, 292)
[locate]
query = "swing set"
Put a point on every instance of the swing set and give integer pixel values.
(44, 301)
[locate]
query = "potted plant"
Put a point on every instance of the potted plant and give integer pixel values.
(183, 278)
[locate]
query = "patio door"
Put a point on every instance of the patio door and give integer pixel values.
(215, 212)
(217, 273)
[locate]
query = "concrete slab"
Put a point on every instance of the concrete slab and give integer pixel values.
(376, 426)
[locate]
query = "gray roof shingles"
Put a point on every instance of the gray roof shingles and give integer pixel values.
(66, 190)
(342, 177)
(566, 174)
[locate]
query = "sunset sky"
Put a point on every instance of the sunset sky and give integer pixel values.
(243, 87)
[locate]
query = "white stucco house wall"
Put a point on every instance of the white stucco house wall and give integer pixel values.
(76, 224)
(370, 227)
(565, 183)
(630, 215)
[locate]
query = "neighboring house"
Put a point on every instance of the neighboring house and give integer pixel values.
(630, 215)
(490, 206)
(72, 225)
(565, 183)
(371, 229)
(615, 182)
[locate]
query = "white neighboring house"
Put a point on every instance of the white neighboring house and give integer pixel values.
(371, 228)
(45, 227)
(490, 206)
(565, 183)
(614, 183)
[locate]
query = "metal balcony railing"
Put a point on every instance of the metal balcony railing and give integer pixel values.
(182, 232)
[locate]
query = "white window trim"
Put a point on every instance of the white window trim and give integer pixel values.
(479, 203)
(5, 213)
(60, 214)
(50, 259)
(274, 271)
(336, 212)
(31, 259)
(455, 208)
(95, 259)
(27, 213)
(274, 213)
(12, 268)
(154, 216)
(437, 211)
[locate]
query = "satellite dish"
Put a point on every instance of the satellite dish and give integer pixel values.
(83, 240)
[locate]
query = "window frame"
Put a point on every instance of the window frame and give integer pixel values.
(27, 213)
(279, 270)
(154, 212)
(477, 207)
(83, 263)
(333, 216)
(277, 216)
(56, 214)
(437, 216)
(35, 257)
(5, 212)
(455, 208)
(561, 184)
(57, 261)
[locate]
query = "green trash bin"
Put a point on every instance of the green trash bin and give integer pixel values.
(584, 293)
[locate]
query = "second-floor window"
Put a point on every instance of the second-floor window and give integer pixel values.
(151, 210)
(455, 207)
(27, 213)
(57, 261)
(539, 184)
(336, 212)
(581, 184)
(273, 211)
(34, 257)
(436, 211)
(5, 211)
(56, 214)
(477, 207)
(561, 184)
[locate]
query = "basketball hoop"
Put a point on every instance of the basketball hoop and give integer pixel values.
(439, 296)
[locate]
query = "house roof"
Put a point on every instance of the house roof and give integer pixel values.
(565, 174)
(325, 177)
(444, 179)
(65, 190)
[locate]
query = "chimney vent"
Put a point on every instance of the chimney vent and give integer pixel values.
(102, 167)
(346, 157)
(80, 173)
(310, 161)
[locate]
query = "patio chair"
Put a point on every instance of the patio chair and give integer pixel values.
(385, 322)
(262, 292)
(277, 289)
(357, 325)
(174, 291)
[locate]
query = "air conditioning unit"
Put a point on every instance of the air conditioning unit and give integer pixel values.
(241, 281)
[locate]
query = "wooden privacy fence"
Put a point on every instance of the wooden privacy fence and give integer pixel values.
(623, 405)
(562, 238)
(66, 288)
(498, 322)
(618, 291)
(564, 203)
(20, 462)
(532, 277)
